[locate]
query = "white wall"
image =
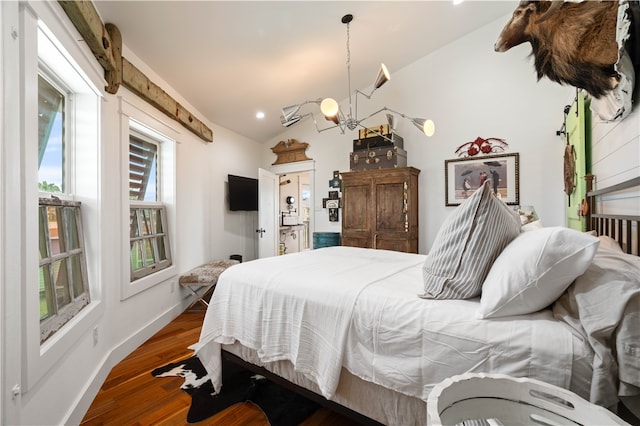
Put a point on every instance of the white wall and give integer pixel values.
(205, 230)
(469, 91)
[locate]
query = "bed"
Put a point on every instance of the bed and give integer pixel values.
(370, 332)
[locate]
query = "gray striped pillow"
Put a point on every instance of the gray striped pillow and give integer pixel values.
(467, 244)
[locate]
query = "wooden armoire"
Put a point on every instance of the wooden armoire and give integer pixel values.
(380, 209)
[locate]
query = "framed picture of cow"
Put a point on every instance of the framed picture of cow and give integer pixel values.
(463, 176)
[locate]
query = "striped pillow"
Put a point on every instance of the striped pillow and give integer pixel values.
(468, 242)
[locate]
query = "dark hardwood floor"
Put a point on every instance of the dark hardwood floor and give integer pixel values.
(132, 396)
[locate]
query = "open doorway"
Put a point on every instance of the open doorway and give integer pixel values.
(295, 220)
(294, 215)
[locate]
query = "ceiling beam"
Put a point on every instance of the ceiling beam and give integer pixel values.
(137, 82)
(105, 43)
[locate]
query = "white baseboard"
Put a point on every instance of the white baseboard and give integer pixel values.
(117, 354)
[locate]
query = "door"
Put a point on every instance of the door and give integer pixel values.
(267, 213)
(356, 205)
(579, 144)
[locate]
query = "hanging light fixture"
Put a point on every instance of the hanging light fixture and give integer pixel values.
(331, 109)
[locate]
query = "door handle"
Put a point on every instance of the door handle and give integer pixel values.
(261, 231)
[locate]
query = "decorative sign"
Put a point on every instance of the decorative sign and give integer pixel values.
(481, 146)
(290, 151)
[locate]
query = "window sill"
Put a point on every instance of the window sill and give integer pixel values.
(132, 288)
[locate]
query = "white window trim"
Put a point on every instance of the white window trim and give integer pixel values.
(40, 359)
(138, 116)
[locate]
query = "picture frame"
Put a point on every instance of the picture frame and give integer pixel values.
(463, 176)
(332, 204)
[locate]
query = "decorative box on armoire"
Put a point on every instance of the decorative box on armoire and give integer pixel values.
(380, 209)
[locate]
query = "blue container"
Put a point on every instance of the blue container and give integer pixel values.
(325, 239)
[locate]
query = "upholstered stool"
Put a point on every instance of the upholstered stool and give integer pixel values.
(203, 279)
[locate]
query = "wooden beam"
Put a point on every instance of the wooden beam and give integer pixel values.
(105, 43)
(137, 82)
(87, 21)
(114, 78)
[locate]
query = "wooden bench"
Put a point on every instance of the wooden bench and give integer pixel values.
(202, 280)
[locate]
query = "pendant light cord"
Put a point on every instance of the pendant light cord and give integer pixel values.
(349, 70)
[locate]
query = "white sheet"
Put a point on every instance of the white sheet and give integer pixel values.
(603, 304)
(296, 307)
(409, 345)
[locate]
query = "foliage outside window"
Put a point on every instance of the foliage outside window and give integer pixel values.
(63, 286)
(149, 239)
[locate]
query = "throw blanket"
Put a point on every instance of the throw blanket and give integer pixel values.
(603, 304)
(295, 308)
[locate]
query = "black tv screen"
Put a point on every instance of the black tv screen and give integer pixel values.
(243, 193)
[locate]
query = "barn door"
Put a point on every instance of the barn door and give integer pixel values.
(578, 134)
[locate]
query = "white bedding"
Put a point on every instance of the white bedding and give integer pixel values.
(359, 309)
(296, 307)
(409, 344)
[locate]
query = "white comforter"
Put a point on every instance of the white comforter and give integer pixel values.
(358, 308)
(296, 307)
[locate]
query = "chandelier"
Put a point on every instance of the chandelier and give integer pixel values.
(332, 112)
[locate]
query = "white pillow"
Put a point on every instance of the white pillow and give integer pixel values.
(468, 242)
(534, 270)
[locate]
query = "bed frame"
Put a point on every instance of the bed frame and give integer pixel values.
(624, 229)
(312, 396)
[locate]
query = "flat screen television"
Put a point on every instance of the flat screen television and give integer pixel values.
(243, 193)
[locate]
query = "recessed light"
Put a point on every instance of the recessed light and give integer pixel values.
(259, 115)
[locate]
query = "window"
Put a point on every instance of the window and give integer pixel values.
(60, 222)
(52, 105)
(143, 166)
(149, 240)
(64, 289)
(63, 284)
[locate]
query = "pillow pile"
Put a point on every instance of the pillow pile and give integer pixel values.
(534, 270)
(467, 244)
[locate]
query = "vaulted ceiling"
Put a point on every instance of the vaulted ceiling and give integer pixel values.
(231, 59)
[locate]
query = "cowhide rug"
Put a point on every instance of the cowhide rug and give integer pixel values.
(282, 407)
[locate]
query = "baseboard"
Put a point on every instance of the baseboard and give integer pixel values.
(112, 358)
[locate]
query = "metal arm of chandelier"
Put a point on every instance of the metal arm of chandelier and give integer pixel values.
(331, 109)
(424, 125)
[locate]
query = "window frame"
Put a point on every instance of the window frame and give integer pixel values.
(137, 116)
(46, 39)
(62, 315)
(158, 264)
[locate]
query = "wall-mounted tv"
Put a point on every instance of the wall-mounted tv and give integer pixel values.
(243, 193)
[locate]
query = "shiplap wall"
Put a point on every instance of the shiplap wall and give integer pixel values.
(616, 158)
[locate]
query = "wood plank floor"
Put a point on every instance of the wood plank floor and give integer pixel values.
(132, 396)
